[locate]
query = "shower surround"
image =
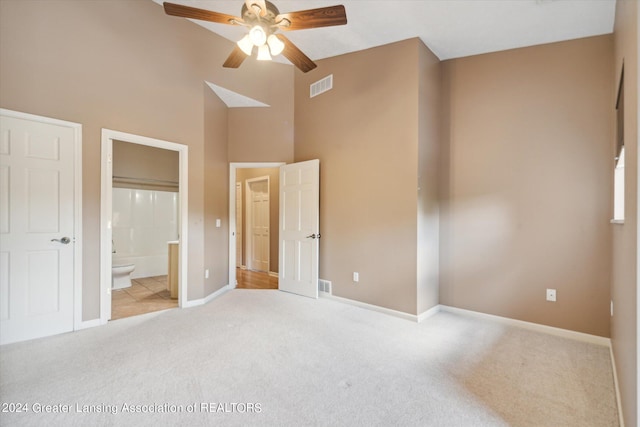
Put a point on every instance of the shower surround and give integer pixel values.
(143, 222)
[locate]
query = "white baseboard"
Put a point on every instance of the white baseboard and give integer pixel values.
(616, 385)
(372, 307)
(88, 324)
(432, 311)
(565, 333)
(208, 298)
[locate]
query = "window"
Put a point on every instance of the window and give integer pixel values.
(618, 188)
(618, 174)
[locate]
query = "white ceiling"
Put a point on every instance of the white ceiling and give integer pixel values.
(450, 28)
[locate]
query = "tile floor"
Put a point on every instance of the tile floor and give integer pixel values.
(144, 296)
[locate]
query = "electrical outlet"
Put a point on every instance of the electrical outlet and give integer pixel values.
(551, 295)
(356, 276)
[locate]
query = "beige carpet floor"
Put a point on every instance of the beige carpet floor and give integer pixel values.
(267, 358)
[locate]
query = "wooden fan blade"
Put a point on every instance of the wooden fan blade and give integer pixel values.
(312, 18)
(236, 58)
(295, 55)
(261, 4)
(204, 15)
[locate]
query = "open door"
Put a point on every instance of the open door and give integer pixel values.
(299, 228)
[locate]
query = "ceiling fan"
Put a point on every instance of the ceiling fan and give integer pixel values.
(263, 20)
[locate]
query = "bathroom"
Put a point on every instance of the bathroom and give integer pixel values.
(145, 224)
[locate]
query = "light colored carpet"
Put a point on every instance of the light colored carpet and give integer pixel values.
(277, 359)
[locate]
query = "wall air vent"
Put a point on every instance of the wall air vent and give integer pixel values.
(321, 86)
(324, 286)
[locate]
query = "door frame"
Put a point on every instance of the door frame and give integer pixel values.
(106, 212)
(248, 224)
(233, 167)
(77, 206)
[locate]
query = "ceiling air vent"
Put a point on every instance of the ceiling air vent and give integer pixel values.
(321, 86)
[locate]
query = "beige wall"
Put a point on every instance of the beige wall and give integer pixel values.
(529, 184)
(625, 244)
(144, 167)
(126, 66)
(242, 175)
(365, 133)
(216, 193)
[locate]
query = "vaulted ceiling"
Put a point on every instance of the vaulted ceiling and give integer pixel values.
(450, 28)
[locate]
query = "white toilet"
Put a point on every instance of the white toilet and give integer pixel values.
(121, 276)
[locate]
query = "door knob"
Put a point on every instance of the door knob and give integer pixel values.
(313, 236)
(64, 240)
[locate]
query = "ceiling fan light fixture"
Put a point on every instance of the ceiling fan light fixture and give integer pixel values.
(275, 44)
(263, 19)
(258, 35)
(246, 45)
(263, 53)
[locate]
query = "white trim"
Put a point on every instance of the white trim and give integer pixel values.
(565, 333)
(106, 212)
(233, 167)
(106, 174)
(383, 310)
(617, 221)
(77, 256)
(550, 330)
(77, 203)
(432, 311)
(89, 324)
(637, 207)
(208, 298)
(238, 215)
(617, 387)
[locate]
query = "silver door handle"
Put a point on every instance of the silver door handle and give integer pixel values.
(64, 240)
(314, 236)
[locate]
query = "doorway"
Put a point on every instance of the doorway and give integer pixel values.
(109, 137)
(145, 217)
(252, 263)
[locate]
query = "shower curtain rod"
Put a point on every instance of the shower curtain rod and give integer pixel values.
(145, 181)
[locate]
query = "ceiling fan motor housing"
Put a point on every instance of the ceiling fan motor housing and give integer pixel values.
(249, 16)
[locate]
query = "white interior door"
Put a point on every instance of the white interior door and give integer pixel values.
(239, 233)
(299, 228)
(36, 229)
(258, 224)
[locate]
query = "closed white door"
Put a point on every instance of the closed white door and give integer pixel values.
(299, 228)
(238, 224)
(258, 224)
(36, 229)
